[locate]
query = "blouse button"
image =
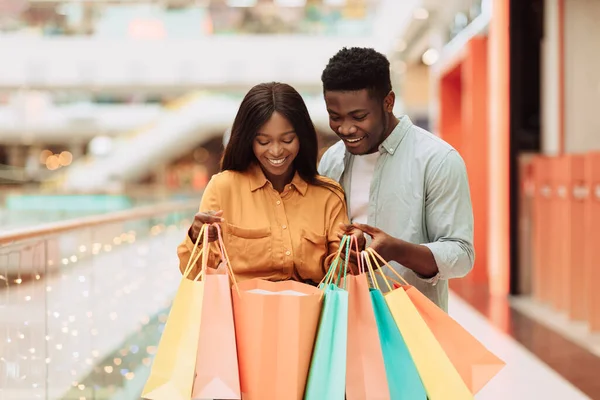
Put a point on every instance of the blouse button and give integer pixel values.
(287, 253)
(284, 226)
(278, 202)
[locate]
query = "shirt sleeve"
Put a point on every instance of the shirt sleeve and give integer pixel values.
(323, 166)
(449, 219)
(210, 202)
(327, 161)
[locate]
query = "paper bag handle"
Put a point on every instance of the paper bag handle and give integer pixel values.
(204, 252)
(367, 261)
(358, 258)
(375, 256)
(225, 257)
(328, 278)
(190, 263)
(346, 261)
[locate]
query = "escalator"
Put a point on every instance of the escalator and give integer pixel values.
(181, 128)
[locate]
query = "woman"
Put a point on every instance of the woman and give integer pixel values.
(280, 219)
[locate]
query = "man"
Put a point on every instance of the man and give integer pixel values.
(406, 188)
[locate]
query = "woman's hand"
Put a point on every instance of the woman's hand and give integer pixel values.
(384, 244)
(351, 230)
(202, 218)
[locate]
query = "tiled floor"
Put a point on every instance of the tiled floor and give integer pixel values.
(525, 376)
(576, 331)
(573, 363)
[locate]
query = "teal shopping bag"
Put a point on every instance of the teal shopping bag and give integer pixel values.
(403, 378)
(327, 375)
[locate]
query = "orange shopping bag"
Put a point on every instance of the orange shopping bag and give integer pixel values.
(217, 374)
(275, 327)
(365, 369)
(474, 362)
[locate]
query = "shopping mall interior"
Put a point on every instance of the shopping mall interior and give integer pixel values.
(114, 115)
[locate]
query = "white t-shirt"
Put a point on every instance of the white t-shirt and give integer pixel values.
(363, 168)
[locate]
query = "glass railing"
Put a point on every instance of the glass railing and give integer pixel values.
(28, 209)
(21, 208)
(83, 302)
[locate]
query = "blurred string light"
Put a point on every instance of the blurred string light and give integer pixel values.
(65, 158)
(44, 156)
(52, 163)
(55, 161)
(66, 330)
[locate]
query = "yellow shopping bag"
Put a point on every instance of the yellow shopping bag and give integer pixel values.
(439, 376)
(172, 374)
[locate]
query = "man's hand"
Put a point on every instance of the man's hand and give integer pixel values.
(209, 217)
(381, 242)
(412, 256)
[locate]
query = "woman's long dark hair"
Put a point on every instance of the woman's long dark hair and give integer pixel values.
(256, 109)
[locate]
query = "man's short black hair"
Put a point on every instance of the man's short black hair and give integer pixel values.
(358, 68)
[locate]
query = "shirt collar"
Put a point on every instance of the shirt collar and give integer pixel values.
(258, 180)
(300, 184)
(391, 143)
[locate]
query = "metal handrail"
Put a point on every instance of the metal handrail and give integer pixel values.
(95, 220)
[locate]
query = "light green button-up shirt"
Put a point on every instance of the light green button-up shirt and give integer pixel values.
(419, 193)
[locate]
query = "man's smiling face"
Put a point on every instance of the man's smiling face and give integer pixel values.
(358, 119)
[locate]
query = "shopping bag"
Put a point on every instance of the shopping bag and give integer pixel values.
(172, 373)
(365, 370)
(275, 329)
(473, 361)
(216, 374)
(402, 374)
(439, 376)
(327, 375)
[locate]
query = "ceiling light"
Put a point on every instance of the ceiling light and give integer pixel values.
(241, 3)
(430, 57)
(420, 13)
(100, 146)
(290, 3)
